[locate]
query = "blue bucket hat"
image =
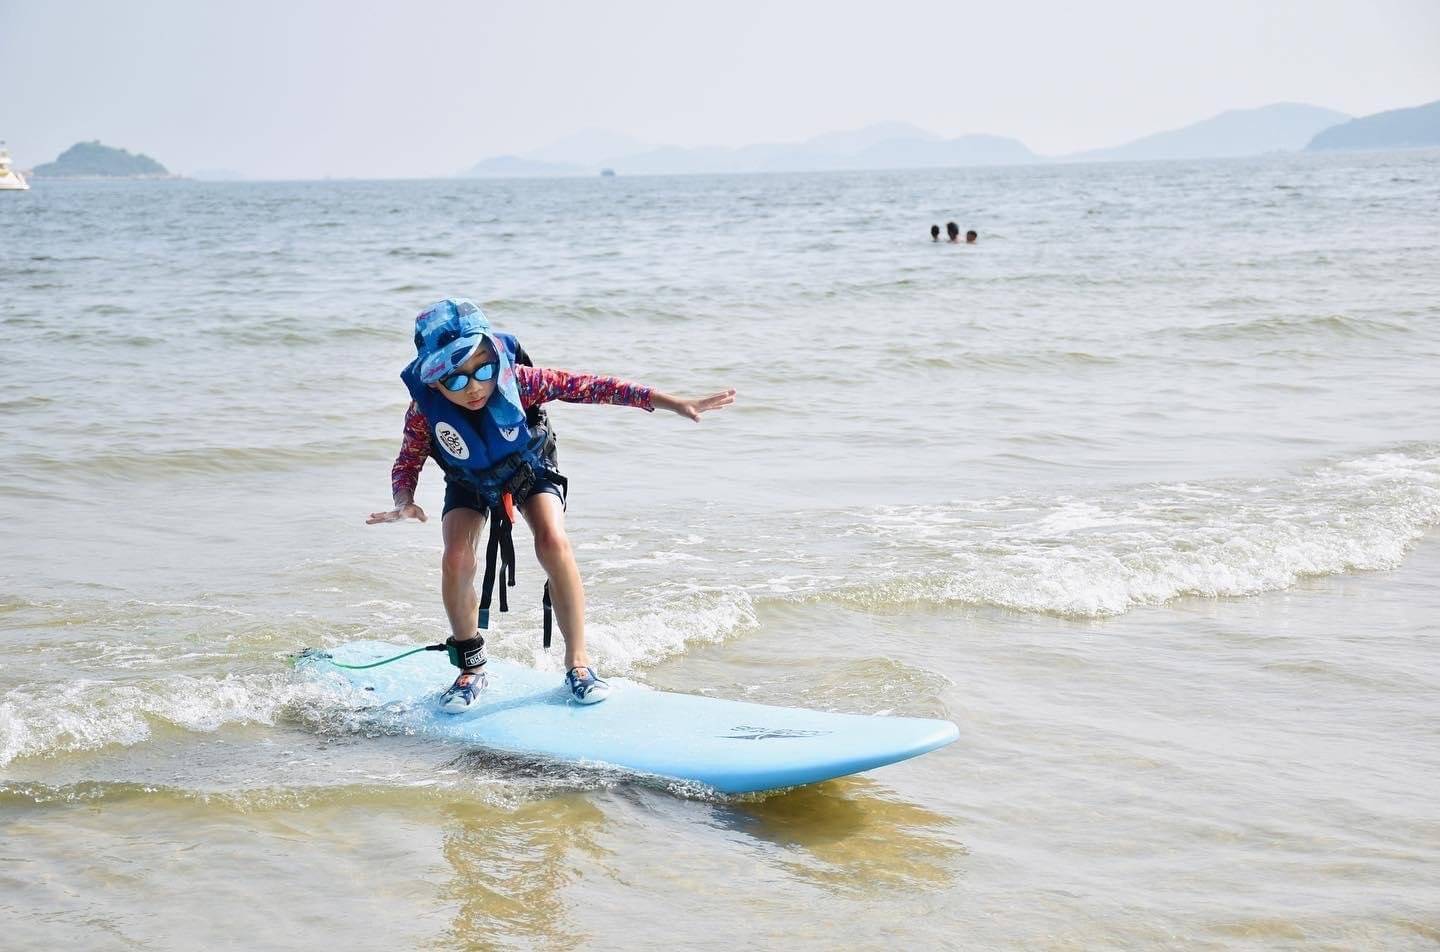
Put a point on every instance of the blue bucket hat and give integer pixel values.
(447, 333)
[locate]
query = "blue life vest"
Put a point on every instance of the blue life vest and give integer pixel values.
(472, 447)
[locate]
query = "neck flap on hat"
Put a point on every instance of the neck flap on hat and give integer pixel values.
(504, 405)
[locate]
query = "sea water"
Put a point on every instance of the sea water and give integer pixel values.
(1141, 490)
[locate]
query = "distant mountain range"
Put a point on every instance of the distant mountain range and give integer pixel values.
(1414, 128)
(885, 145)
(1281, 127)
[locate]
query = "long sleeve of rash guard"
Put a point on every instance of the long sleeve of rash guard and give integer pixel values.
(543, 384)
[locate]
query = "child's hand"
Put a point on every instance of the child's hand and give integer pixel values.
(398, 514)
(692, 408)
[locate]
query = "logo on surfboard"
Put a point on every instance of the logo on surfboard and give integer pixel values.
(744, 732)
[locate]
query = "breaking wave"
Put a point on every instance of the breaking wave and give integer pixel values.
(1099, 555)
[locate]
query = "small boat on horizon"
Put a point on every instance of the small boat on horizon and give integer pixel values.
(10, 180)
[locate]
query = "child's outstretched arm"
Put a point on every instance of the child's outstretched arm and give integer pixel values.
(542, 384)
(691, 408)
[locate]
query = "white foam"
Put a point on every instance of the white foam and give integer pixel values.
(654, 557)
(608, 542)
(86, 714)
(1112, 552)
(643, 629)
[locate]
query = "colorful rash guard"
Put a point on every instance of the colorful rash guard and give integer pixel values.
(537, 385)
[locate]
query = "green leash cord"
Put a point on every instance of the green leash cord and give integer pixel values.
(458, 656)
(315, 654)
(376, 664)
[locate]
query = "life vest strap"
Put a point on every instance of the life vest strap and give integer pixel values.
(500, 556)
(499, 559)
(545, 607)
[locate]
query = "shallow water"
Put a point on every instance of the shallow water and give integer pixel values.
(1141, 491)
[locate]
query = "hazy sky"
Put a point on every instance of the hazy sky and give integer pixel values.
(427, 87)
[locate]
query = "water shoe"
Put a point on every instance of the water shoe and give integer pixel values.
(585, 685)
(464, 693)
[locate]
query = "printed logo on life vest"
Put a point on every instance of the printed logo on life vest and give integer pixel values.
(767, 733)
(510, 432)
(449, 438)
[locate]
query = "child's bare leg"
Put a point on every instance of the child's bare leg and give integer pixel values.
(546, 518)
(461, 530)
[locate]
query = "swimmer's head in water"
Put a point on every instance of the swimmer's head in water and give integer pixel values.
(934, 232)
(970, 237)
(952, 229)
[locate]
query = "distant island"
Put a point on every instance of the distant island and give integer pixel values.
(1414, 128)
(91, 160)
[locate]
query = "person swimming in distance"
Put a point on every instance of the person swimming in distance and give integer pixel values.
(934, 232)
(953, 230)
(971, 237)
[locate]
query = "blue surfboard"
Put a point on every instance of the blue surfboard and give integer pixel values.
(732, 746)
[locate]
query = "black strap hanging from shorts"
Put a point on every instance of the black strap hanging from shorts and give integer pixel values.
(500, 561)
(501, 543)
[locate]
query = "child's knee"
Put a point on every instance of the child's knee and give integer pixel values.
(551, 545)
(458, 561)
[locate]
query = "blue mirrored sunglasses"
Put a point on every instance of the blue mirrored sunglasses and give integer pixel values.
(459, 381)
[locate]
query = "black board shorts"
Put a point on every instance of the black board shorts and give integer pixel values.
(459, 496)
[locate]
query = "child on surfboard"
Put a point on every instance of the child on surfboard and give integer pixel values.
(474, 410)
